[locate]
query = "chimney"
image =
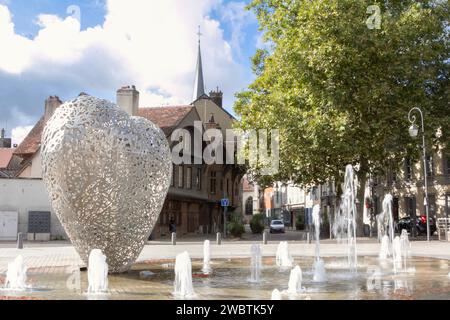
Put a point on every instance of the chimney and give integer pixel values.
(211, 124)
(51, 104)
(216, 97)
(128, 99)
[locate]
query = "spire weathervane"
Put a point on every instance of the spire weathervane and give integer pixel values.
(199, 34)
(199, 85)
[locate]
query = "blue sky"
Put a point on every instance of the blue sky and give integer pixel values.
(148, 43)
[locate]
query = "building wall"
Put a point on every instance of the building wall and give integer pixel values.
(402, 186)
(36, 166)
(24, 195)
(205, 107)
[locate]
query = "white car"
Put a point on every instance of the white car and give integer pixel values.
(277, 226)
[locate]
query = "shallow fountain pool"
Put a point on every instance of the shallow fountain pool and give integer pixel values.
(231, 279)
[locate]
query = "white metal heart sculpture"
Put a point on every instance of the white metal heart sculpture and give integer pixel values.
(107, 175)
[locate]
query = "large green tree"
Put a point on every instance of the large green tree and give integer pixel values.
(340, 92)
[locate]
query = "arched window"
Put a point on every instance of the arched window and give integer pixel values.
(249, 206)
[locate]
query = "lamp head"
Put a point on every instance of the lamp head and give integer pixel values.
(413, 130)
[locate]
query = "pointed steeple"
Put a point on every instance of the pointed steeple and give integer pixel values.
(199, 85)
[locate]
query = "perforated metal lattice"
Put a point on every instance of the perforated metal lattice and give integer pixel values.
(107, 175)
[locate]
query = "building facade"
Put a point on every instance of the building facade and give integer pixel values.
(193, 200)
(408, 188)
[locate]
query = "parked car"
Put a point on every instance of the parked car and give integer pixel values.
(277, 226)
(421, 225)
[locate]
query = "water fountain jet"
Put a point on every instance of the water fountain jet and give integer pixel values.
(206, 258)
(385, 226)
(319, 265)
(276, 295)
(97, 272)
(16, 276)
(344, 227)
(402, 253)
(256, 262)
(295, 281)
(183, 276)
(384, 248)
(283, 257)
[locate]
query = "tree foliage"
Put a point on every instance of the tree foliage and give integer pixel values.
(340, 92)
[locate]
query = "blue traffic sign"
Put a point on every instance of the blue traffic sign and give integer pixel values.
(224, 202)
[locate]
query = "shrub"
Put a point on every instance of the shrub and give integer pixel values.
(300, 221)
(257, 223)
(235, 227)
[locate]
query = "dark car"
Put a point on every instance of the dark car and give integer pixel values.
(420, 225)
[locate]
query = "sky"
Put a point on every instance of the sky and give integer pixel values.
(64, 47)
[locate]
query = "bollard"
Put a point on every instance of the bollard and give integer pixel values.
(307, 237)
(265, 236)
(174, 238)
(20, 240)
(219, 238)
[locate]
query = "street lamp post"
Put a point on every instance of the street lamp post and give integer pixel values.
(413, 131)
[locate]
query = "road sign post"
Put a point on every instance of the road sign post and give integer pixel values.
(224, 203)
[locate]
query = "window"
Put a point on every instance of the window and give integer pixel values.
(172, 180)
(180, 177)
(430, 166)
(410, 207)
(408, 169)
(431, 206)
(198, 179)
(189, 177)
(249, 206)
(212, 182)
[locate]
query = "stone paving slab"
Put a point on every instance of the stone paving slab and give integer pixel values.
(55, 256)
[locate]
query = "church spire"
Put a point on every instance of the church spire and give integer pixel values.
(199, 85)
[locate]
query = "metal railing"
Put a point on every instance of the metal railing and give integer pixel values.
(443, 228)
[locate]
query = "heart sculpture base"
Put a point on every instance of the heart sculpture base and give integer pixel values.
(107, 175)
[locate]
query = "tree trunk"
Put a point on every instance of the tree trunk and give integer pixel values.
(362, 179)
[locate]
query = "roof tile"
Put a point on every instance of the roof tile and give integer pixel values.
(32, 141)
(167, 118)
(5, 157)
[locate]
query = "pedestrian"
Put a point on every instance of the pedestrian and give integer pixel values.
(172, 225)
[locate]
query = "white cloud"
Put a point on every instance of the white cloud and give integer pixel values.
(19, 133)
(238, 17)
(148, 43)
(152, 44)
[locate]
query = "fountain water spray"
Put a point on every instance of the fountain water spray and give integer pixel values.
(384, 248)
(345, 218)
(319, 265)
(206, 258)
(16, 276)
(385, 222)
(183, 275)
(402, 252)
(97, 272)
(295, 281)
(283, 257)
(256, 263)
(276, 295)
